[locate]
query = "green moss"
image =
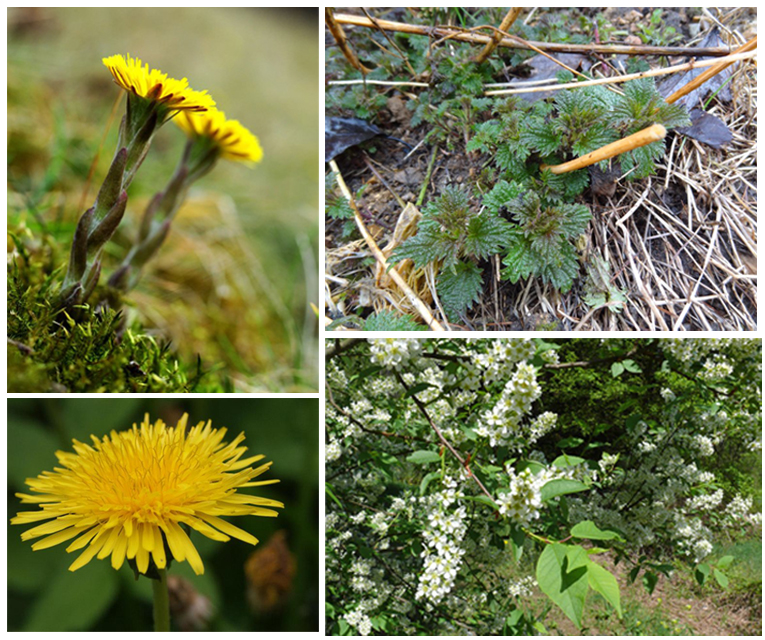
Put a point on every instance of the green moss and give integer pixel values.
(51, 351)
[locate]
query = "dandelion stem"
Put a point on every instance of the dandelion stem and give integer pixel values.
(161, 602)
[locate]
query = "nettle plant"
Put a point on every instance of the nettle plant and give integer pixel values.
(530, 214)
(454, 497)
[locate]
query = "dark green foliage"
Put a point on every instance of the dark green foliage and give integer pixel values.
(450, 230)
(387, 320)
(540, 239)
(459, 287)
(50, 350)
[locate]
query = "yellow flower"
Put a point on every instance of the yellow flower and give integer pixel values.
(152, 84)
(234, 141)
(128, 494)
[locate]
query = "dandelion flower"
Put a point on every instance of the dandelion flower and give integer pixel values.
(131, 494)
(232, 140)
(133, 76)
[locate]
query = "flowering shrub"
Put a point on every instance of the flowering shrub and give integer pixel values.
(461, 477)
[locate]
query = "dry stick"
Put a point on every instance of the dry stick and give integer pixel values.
(734, 57)
(654, 133)
(391, 41)
(389, 25)
(339, 35)
(505, 25)
(712, 71)
(418, 304)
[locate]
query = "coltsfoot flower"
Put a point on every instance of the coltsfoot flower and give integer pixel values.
(131, 494)
(136, 77)
(232, 140)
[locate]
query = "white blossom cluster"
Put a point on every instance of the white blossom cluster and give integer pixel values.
(522, 587)
(524, 498)
(393, 353)
(501, 424)
(359, 621)
(497, 362)
(443, 536)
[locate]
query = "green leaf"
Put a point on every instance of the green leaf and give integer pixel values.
(74, 601)
(702, 573)
(721, 578)
(567, 461)
(631, 366)
(560, 487)
(427, 480)
(590, 531)
(724, 562)
(562, 580)
(331, 494)
(387, 320)
(516, 541)
(486, 500)
(424, 457)
(420, 386)
(569, 442)
(649, 581)
(460, 288)
(605, 584)
(617, 369)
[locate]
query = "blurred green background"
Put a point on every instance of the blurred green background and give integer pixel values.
(44, 596)
(235, 280)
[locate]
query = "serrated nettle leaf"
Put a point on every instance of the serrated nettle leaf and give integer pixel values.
(460, 288)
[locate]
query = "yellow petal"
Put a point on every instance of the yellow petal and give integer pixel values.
(189, 550)
(159, 549)
(206, 530)
(58, 538)
(111, 541)
(142, 560)
(230, 529)
(174, 541)
(87, 555)
(48, 527)
(118, 555)
(147, 536)
(134, 543)
(83, 540)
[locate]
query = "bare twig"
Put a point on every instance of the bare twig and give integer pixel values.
(712, 71)
(734, 57)
(339, 35)
(458, 34)
(418, 304)
(654, 133)
(505, 25)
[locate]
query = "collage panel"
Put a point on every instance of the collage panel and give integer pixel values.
(162, 200)
(528, 168)
(127, 513)
(546, 486)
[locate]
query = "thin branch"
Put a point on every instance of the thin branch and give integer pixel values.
(702, 78)
(340, 347)
(505, 25)
(418, 304)
(339, 35)
(458, 34)
(734, 57)
(441, 437)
